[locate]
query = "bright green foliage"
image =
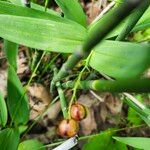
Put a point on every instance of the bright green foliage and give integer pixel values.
(12, 9)
(17, 99)
(133, 117)
(103, 141)
(11, 51)
(73, 11)
(121, 59)
(60, 36)
(30, 145)
(136, 142)
(9, 139)
(144, 22)
(3, 111)
(41, 8)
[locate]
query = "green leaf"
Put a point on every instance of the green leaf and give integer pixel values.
(121, 59)
(30, 145)
(73, 10)
(16, 10)
(144, 22)
(103, 141)
(11, 51)
(50, 35)
(133, 117)
(41, 8)
(9, 139)
(3, 111)
(17, 99)
(137, 142)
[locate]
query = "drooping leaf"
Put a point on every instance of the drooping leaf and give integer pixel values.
(17, 99)
(11, 51)
(59, 36)
(103, 141)
(30, 145)
(16, 10)
(137, 142)
(9, 139)
(3, 111)
(73, 10)
(121, 59)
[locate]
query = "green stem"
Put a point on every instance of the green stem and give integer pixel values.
(97, 34)
(134, 85)
(62, 100)
(133, 19)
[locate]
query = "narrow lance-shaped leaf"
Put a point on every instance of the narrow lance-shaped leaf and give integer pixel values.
(16, 10)
(59, 36)
(9, 139)
(3, 111)
(11, 51)
(73, 10)
(31, 145)
(121, 59)
(17, 99)
(103, 141)
(136, 142)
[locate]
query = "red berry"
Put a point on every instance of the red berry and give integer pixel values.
(78, 111)
(68, 128)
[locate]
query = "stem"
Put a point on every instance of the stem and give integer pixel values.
(62, 100)
(134, 85)
(77, 83)
(97, 34)
(133, 19)
(62, 97)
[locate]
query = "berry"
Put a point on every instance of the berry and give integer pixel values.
(78, 112)
(68, 128)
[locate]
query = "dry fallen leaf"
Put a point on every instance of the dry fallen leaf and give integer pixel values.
(39, 99)
(88, 125)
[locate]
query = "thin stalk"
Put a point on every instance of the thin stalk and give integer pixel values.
(133, 19)
(36, 56)
(26, 88)
(96, 35)
(134, 85)
(77, 83)
(63, 102)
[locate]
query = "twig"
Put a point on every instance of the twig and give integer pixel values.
(96, 96)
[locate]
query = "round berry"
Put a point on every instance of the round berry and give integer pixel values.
(78, 111)
(68, 128)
